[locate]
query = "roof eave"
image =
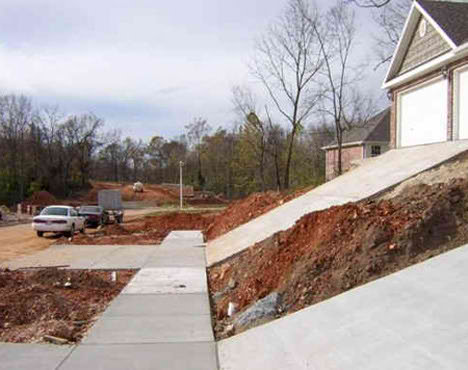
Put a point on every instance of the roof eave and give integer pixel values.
(425, 68)
(353, 143)
(404, 40)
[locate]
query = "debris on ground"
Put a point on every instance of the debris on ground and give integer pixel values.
(54, 305)
(330, 251)
(150, 230)
(244, 210)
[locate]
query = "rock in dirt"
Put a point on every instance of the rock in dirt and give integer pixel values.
(55, 340)
(264, 308)
(232, 283)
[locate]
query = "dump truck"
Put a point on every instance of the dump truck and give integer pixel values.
(111, 202)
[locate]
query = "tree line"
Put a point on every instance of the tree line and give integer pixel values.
(305, 61)
(44, 149)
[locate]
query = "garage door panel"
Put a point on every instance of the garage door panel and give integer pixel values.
(463, 105)
(423, 115)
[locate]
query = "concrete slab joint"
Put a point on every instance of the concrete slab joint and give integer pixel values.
(161, 320)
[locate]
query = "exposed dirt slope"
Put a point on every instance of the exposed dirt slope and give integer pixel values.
(455, 168)
(37, 302)
(328, 252)
(246, 209)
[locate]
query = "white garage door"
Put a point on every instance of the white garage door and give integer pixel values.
(463, 105)
(423, 115)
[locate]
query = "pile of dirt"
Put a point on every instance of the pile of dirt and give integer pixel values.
(41, 198)
(207, 198)
(328, 252)
(148, 231)
(61, 303)
(244, 210)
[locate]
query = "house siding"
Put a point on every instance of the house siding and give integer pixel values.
(423, 49)
(450, 99)
(348, 155)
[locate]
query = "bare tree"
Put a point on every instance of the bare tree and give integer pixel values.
(390, 15)
(288, 58)
(343, 104)
(370, 3)
(391, 19)
(196, 131)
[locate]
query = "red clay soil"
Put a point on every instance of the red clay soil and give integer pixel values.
(41, 198)
(328, 252)
(155, 193)
(148, 231)
(36, 302)
(244, 210)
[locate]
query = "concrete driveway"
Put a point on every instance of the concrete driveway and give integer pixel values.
(371, 178)
(414, 319)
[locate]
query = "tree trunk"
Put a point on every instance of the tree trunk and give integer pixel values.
(288, 162)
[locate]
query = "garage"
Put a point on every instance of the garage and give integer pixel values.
(462, 103)
(423, 114)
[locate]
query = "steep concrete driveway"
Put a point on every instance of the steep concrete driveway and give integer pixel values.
(415, 319)
(371, 178)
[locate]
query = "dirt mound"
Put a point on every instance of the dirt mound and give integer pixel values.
(207, 198)
(153, 193)
(54, 302)
(148, 231)
(328, 252)
(244, 210)
(41, 198)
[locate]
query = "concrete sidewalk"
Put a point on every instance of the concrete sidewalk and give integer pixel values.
(371, 178)
(415, 319)
(161, 320)
(87, 257)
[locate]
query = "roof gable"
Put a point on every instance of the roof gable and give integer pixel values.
(450, 16)
(417, 12)
(377, 129)
(422, 47)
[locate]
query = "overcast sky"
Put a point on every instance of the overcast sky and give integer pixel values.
(146, 66)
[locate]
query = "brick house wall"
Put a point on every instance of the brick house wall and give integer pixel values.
(429, 76)
(348, 154)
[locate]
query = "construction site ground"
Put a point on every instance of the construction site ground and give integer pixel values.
(161, 319)
(325, 253)
(20, 240)
(54, 302)
(329, 252)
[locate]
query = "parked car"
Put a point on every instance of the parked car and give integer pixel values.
(58, 219)
(94, 215)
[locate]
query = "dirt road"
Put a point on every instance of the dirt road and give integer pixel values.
(20, 240)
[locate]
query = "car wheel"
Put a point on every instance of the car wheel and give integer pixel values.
(40, 234)
(83, 229)
(71, 233)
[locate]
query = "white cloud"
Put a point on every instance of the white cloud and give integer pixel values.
(143, 65)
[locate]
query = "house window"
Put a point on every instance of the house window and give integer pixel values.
(375, 150)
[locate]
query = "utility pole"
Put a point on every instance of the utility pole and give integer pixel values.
(181, 164)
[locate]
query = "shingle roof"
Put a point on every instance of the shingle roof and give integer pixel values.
(377, 129)
(451, 17)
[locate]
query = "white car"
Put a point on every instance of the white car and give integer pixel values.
(58, 219)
